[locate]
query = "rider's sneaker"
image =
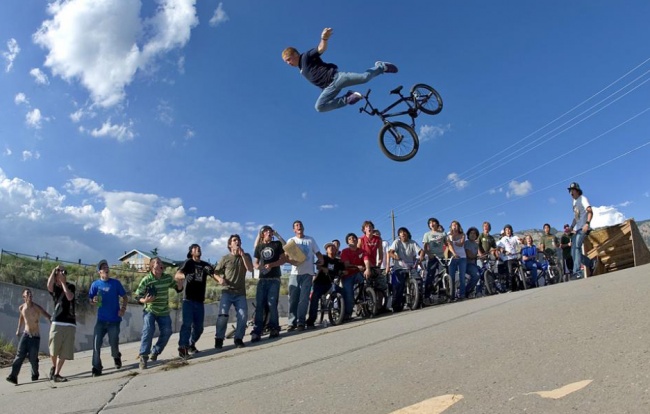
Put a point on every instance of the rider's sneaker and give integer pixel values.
(274, 333)
(387, 66)
(352, 97)
(218, 343)
(255, 337)
(239, 343)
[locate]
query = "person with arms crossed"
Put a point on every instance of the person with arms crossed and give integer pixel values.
(269, 256)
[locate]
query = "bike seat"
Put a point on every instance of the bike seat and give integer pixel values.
(397, 90)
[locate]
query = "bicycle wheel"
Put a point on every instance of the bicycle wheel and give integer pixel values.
(490, 287)
(426, 99)
(398, 141)
(413, 295)
(522, 277)
(335, 309)
(370, 302)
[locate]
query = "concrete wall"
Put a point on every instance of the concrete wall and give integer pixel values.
(130, 330)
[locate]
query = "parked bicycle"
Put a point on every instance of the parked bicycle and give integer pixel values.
(398, 140)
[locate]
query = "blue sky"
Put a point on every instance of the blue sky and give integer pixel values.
(159, 124)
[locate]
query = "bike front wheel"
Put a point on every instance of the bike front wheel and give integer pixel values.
(398, 141)
(413, 293)
(335, 309)
(426, 99)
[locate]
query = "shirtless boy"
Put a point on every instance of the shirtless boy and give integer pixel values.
(30, 339)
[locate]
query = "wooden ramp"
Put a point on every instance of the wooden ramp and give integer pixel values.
(617, 247)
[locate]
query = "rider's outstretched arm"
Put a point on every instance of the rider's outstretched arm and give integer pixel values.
(324, 37)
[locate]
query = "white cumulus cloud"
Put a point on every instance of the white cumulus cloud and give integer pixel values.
(328, 206)
(20, 99)
(517, 189)
(219, 16)
(104, 43)
(34, 118)
(455, 179)
(121, 132)
(431, 132)
(39, 76)
(606, 216)
(28, 155)
(10, 55)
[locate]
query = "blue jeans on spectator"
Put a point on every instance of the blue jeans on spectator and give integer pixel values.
(27, 346)
(576, 252)
(101, 329)
(299, 288)
(398, 278)
(328, 100)
(348, 292)
(473, 272)
(148, 329)
(268, 291)
(192, 327)
(241, 307)
(459, 265)
(531, 266)
(318, 290)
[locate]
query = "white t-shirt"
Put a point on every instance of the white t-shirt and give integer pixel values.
(384, 246)
(408, 253)
(309, 247)
(460, 250)
(580, 205)
(511, 245)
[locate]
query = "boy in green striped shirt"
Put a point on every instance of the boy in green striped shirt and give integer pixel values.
(153, 293)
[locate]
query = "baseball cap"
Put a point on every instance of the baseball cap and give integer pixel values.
(101, 263)
(328, 245)
(574, 186)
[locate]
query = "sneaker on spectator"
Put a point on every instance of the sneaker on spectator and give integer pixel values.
(118, 362)
(182, 352)
(51, 376)
(96, 372)
(58, 378)
(154, 356)
(255, 337)
(34, 377)
(192, 350)
(12, 379)
(274, 333)
(301, 328)
(218, 343)
(239, 343)
(386, 66)
(352, 97)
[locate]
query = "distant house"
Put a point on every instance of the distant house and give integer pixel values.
(136, 259)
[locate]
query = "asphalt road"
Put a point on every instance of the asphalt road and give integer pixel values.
(578, 347)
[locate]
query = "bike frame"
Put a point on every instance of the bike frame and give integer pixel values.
(384, 114)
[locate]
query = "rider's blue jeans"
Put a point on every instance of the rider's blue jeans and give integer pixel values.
(318, 290)
(474, 273)
(531, 266)
(241, 307)
(348, 292)
(328, 100)
(576, 251)
(192, 327)
(101, 329)
(299, 288)
(149, 321)
(268, 291)
(459, 265)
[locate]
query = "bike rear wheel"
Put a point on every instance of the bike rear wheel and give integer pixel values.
(370, 304)
(398, 141)
(426, 99)
(522, 277)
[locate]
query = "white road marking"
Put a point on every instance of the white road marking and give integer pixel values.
(434, 405)
(563, 391)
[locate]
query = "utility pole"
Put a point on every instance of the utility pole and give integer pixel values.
(392, 221)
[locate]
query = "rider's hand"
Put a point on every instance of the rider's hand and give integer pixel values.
(327, 33)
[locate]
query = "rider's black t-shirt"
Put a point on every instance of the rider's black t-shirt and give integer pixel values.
(315, 70)
(196, 276)
(334, 268)
(268, 253)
